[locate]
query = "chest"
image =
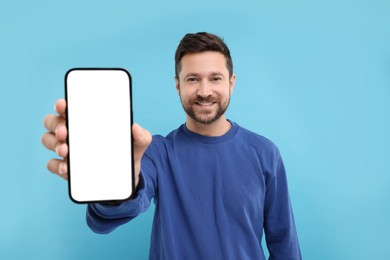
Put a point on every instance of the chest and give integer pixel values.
(209, 178)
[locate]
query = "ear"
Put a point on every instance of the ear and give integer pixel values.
(177, 85)
(232, 82)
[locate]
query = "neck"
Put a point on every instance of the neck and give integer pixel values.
(217, 128)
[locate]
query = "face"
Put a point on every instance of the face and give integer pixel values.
(204, 86)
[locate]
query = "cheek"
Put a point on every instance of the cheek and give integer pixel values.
(186, 93)
(225, 93)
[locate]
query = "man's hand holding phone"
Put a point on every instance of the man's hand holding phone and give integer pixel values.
(56, 139)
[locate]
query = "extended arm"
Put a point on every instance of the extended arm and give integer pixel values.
(104, 218)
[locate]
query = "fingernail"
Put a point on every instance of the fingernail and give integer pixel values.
(57, 148)
(56, 130)
(61, 168)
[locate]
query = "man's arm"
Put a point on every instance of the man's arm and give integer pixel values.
(104, 218)
(279, 225)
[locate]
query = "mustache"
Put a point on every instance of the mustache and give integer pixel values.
(208, 99)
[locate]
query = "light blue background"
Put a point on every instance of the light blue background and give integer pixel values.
(313, 76)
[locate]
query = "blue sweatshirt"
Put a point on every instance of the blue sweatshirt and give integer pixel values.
(214, 196)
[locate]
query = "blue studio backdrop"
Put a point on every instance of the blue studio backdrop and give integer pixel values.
(313, 76)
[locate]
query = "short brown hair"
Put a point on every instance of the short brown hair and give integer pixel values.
(200, 42)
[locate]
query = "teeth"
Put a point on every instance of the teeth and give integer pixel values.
(205, 103)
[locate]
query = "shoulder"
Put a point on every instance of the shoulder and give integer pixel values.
(265, 150)
(262, 147)
(255, 139)
(161, 144)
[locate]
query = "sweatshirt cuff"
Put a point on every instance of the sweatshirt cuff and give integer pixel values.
(128, 208)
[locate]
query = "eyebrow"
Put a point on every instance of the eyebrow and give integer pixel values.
(198, 75)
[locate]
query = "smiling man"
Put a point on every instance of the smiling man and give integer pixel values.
(216, 186)
(204, 85)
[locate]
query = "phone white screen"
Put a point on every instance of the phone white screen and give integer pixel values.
(99, 134)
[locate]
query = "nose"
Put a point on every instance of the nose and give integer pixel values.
(204, 89)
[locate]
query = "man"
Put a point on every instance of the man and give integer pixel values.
(216, 185)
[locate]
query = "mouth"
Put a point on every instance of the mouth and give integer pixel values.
(204, 103)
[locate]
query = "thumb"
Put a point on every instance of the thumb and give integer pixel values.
(141, 140)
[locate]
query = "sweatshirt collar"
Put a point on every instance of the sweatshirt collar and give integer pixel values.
(210, 139)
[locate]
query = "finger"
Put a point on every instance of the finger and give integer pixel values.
(52, 143)
(49, 140)
(61, 132)
(141, 140)
(141, 136)
(51, 122)
(56, 125)
(60, 107)
(62, 149)
(58, 167)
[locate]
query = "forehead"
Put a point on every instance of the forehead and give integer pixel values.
(203, 63)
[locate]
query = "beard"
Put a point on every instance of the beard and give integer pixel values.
(205, 115)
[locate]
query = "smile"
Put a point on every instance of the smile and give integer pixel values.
(204, 103)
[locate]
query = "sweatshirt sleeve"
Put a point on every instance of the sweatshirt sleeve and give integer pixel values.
(104, 218)
(279, 225)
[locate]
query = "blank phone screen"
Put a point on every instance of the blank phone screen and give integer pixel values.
(99, 134)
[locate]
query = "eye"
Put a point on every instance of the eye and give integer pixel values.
(192, 79)
(216, 78)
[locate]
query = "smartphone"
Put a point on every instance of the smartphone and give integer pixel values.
(99, 120)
